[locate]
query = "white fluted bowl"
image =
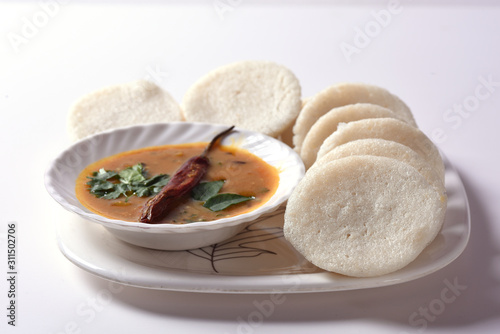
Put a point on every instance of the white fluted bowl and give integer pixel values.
(61, 175)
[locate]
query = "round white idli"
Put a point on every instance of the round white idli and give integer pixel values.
(341, 95)
(257, 95)
(287, 135)
(327, 124)
(138, 102)
(389, 129)
(388, 149)
(363, 216)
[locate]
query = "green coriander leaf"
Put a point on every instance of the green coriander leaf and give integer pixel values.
(101, 176)
(150, 186)
(205, 190)
(142, 191)
(222, 201)
(156, 190)
(158, 186)
(131, 182)
(118, 190)
(157, 180)
(101, 187)
(99, 184)
(132, 174)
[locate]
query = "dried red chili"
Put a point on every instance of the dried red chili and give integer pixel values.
(180, 184)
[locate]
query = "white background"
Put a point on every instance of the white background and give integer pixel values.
(435, 55)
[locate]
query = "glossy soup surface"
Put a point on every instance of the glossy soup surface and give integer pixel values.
(244, 174)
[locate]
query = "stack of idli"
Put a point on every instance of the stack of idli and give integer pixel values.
(373, 197)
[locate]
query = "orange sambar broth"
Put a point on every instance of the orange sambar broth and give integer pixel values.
(244, 174)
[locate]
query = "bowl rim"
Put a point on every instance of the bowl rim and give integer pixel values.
(271, 205)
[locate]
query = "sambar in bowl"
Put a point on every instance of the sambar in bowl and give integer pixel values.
(108, 178)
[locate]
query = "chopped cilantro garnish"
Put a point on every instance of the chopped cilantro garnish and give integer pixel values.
(128, 182)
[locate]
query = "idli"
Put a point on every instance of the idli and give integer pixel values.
(363, 216)
(389, 149)
(389, 129)
(341, 95)
(257, 95)
(138, 102)
(327, 124)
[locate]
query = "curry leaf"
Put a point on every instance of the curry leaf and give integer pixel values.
(222, 201)
(205, 190)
